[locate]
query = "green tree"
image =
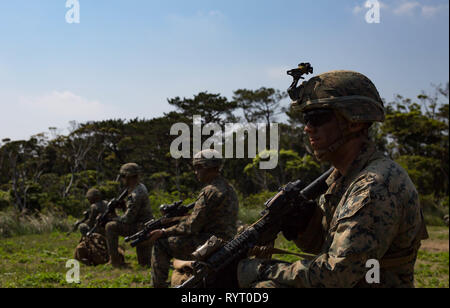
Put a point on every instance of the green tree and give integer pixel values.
(418, 139)
(213, 108)
(290, 167)
(262, 104)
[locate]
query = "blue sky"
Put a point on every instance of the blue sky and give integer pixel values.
(125, 58)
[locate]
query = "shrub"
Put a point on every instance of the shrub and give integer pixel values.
(13, 223)
(4, 200)
(158, 197)
(257, 200)
(433, 211)
(250, 207)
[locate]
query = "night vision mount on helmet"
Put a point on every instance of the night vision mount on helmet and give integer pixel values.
(297, 74)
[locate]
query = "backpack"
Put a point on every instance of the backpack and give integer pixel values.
(93, 250)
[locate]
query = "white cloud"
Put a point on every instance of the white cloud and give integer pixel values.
(198, 19)
(406, 8)
(430, 10)
(63, 104)
(24, 116)
(357, 9)
(383, 5)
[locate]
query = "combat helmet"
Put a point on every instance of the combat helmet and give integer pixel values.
(352, 97)
(349, 93)
(93, 194)
(207, 159)
(130, 169)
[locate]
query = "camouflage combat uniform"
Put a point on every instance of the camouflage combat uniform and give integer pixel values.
(215, 213)
(138, 211)
(95, 210)
(372, 212)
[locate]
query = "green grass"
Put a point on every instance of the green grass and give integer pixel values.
(438, 233)
(31, 261)
(432, 270)
(40, 261)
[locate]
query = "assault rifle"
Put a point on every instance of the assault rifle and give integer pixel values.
(219, 269)
(110, 209)
(171, 215)
(79, 222)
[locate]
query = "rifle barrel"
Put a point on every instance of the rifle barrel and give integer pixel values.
(152, 225)
(317, 187)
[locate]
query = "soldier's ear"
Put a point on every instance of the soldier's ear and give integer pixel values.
(355, 127)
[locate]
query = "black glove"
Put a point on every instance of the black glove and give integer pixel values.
(297, 221)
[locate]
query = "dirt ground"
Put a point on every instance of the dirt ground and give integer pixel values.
(438, 240)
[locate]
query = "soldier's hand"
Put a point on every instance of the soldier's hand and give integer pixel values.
(296, 222)
(154, 236)
(251, 271)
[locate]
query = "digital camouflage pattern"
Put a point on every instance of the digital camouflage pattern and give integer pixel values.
(95, 210)
(372, 212)
(138, 211)
(351, 94)
(138, 208)
(114, 229)
(93, 250)
(179, 247)
(215, 213)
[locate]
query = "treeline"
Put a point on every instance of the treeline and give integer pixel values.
(51, 171)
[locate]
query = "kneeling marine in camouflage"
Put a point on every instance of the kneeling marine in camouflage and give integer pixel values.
(371, 209)
(138, 211)
(98, 207)
(215, 213)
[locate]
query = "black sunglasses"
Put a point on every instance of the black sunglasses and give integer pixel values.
(318, 118)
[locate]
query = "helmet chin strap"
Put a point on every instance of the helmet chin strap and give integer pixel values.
(346, 136)
(320, 154)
